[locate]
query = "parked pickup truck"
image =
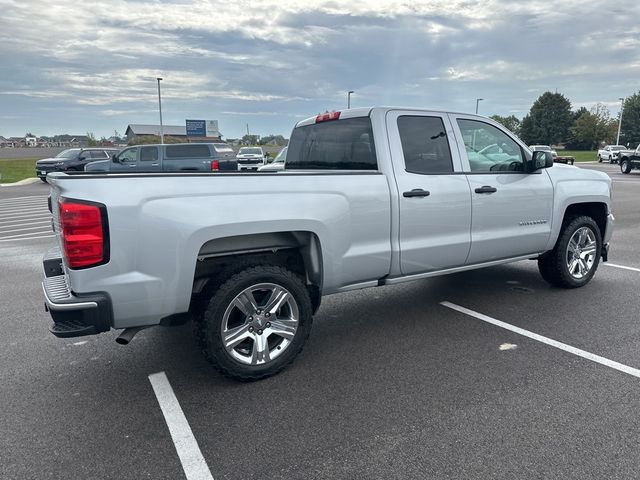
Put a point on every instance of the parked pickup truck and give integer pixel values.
(179, 157)
(368, 197)
(629, 160)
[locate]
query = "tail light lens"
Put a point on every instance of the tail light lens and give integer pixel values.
(83, 227)
(215, 165)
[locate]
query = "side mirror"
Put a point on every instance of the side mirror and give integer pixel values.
(540, 160)
(115, 158)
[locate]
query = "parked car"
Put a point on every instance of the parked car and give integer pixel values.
(610, 153)
(369, 197)
(278, 163)
(567, 159)
(250, 158)
(73, 159)
(178, 157)
(543, 148)
(629, 160)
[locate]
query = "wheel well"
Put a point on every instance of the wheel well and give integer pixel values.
(597, 211)
(220, 258)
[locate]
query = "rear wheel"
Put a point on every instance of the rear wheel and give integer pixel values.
(256, 322)
(610, 159)
(625, 166)
(576, 255)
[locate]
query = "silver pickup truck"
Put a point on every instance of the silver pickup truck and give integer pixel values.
(369, 197)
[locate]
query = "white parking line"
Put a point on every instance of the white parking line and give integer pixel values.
(17, 216)
(26, 222)
(193, 463)
(17, 235)
(621, 266)
(548, 341)
(24, 229)
(23, 209)
(21, 199)
(22, 239)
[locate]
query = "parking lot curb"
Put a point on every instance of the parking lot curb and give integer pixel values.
(26, 181)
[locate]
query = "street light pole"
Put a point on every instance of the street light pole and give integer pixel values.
(620, 119)
(160, 109)
(349, 99)
(478, 100)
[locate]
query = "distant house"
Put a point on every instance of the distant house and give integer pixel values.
(180, 131)
(6, 143)
(69, 141)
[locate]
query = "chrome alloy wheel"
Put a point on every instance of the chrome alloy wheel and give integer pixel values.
(581, 252)
(260, 323)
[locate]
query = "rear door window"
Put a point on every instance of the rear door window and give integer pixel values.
(149, 154)
(187, 150)
(333, 145)
(97, 154)
(425, 145)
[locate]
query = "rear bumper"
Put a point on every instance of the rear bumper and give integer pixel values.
(74, 315)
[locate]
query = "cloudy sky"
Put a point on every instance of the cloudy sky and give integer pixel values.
(72, 67)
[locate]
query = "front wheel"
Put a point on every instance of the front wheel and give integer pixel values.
(599, 159)
(256, 322)
(576, 255)
(625, 166)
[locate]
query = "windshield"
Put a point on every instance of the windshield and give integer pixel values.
(281, 157)
(256, 151)
(72, 152)
(222, 147)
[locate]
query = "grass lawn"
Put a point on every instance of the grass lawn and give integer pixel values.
(580, 155)
(19, 169)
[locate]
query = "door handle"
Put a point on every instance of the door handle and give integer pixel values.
(486, 189)
(155, 164)
(416, 192)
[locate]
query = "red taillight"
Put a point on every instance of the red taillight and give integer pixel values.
(215, 165)
(83, 234)
(325, 117)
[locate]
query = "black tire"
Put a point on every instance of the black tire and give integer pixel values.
(209, 325)
(625, 166)
(553, 264)
(599, 159)
(571, 162)
(610, 159)
(43, 179)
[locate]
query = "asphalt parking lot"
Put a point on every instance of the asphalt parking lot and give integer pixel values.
(407, 381)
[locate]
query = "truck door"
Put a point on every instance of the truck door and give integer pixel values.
(149, 159)
(434, 197)
(511, 209)
(126, 161)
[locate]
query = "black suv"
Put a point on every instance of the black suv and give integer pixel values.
(73, 159)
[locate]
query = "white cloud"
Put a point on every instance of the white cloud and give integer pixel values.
(267, 61)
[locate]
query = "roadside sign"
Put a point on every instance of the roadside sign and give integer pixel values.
(196, 128)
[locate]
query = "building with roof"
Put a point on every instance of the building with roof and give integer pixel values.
(135, 130)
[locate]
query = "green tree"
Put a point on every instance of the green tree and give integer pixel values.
(91, 140)
(549, 120)
(511, 122)
(250, 139)
(590, 129)
(279, 140)
(630, 128)
(155, 139)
